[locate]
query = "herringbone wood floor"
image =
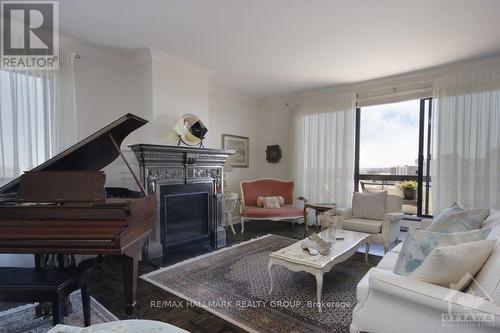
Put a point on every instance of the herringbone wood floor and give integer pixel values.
(106, 285)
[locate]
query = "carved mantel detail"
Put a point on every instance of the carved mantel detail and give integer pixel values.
(171, 165)
(156, 174)
(214, 173)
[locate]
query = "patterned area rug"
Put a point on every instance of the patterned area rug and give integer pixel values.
(22, 319)
(233, 283)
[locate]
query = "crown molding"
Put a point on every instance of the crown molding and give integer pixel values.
(416, 78)
(103, 53)
(169, 59)
(139, 57)
(218, 89)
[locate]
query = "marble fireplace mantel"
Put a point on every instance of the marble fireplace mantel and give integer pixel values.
(165, 164)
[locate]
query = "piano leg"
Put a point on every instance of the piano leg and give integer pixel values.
(130, 268)
(39, 260)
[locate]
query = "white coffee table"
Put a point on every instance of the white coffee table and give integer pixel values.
(296, 259)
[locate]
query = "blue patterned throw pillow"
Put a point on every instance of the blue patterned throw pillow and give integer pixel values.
(457, 219)
(418, 244)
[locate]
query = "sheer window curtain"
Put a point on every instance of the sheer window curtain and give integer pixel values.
(323, 167)
(37, 116)
(466, 159)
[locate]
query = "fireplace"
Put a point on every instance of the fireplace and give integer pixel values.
(188, 185)
(185, 212)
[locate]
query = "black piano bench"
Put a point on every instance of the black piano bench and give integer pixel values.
(45, 285)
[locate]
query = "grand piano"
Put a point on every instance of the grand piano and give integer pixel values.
(62, 207)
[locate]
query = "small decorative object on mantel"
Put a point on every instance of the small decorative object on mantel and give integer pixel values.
(273, 154)
(240, 144)
(190, 130)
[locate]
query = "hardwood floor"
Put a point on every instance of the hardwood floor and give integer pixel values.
(106, 284)
(106, 287)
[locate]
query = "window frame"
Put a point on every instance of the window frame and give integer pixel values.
(420, 177)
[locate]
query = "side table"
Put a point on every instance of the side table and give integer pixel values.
(230, 200)
(319, 207)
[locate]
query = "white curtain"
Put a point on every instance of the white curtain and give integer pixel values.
(324, 148)
(466, 159)
(37, 116)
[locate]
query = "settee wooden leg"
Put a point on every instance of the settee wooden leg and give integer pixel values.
(305, 220)
(242, 226)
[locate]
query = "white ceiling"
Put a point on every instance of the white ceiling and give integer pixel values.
(267, 48)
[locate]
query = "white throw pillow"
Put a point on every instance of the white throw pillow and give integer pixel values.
(454, 266)
(493, 221)
(262, 200)
(486, 283)
(456, 219)
(369, 205)
(418, 244)
(272, 202)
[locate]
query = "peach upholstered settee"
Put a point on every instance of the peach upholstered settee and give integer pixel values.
(267, 187)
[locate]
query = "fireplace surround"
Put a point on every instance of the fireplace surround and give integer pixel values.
(188, 185)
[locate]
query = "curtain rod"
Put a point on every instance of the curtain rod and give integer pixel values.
(362, 94)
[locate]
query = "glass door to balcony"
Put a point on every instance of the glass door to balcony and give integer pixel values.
(393, 151)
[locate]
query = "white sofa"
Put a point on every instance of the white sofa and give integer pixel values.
(388, 302)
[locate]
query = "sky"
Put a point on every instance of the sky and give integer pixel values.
(389, 134)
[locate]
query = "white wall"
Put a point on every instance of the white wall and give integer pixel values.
(274, 129)
(142, 101)
(265, 124)
(231, 114)
(103, 94)
(176, 91)
(103, 85)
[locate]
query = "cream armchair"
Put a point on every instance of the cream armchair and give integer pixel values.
(384, 232)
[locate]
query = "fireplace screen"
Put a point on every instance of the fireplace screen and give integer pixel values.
(185, 214)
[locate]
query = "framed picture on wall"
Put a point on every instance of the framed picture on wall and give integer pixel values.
(240, 144)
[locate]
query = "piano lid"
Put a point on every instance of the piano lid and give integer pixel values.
(93, 153)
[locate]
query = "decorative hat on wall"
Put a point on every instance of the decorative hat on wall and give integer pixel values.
(190, 130)
(273, 154)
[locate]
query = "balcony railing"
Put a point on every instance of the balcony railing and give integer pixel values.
(377, 182)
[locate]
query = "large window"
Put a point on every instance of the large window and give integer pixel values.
(24, 124)
(37, 116)
(393, 152)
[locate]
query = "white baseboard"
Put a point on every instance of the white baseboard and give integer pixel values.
(155, 249)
